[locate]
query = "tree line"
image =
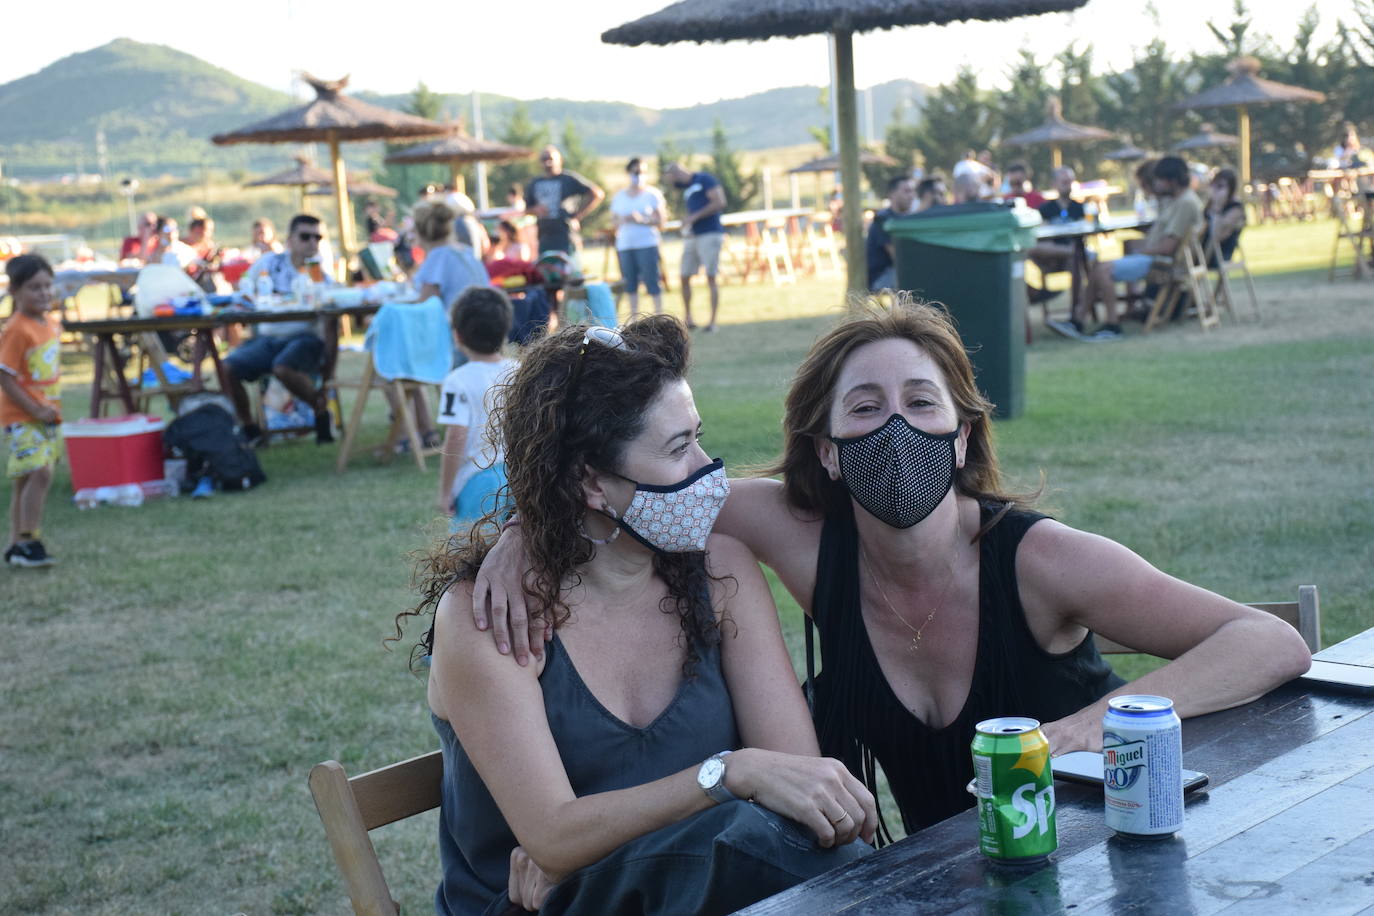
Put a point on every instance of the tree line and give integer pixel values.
(1137, 102)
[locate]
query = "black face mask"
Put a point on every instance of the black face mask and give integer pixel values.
(898, 472)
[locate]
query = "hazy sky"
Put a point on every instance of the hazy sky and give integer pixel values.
(540, 48)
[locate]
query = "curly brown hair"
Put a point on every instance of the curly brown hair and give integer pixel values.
(806, 485)
(555, 419)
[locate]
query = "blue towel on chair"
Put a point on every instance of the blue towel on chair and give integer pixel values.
(412, 340)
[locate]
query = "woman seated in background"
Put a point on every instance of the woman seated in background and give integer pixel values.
(941, 596)
(1224, 218)
(619, 765)
(508, 246)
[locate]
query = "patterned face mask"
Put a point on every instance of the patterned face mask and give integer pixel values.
(677, 518)
(898, 472)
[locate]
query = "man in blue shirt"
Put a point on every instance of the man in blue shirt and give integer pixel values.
(702, 233)
(878, 248)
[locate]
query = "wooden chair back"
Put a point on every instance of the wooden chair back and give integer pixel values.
(152, 356)
(350, 807)
(1225, 268)
(1354, 227)
(1304, 615)
(1188, 275)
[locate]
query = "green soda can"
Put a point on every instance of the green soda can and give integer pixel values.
(1015, 789)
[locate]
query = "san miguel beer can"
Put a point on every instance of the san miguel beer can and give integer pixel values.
(1142, 761)
(1015, 790)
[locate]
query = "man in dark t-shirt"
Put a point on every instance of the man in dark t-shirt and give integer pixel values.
(1055, 255)
(878, 247)
(546, 197)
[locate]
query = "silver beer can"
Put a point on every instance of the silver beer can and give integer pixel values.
(1142, 762)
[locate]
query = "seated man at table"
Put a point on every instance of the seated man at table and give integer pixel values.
(292, 351)
(1019, 185)
(931, 192)
(1180, 214)
(1054, 255)
(878, 248)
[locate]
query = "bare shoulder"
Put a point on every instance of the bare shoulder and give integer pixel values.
(758, 513)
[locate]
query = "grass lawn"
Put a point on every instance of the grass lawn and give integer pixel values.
(165, 690)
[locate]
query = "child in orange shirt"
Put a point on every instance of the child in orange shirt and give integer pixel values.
(30, 396)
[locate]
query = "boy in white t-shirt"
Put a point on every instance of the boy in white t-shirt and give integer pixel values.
(473, 470)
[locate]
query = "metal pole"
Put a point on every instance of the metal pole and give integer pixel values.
(847, 122)
(767, 188)
(482, 200)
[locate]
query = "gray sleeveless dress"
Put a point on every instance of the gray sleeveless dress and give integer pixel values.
(717, 861)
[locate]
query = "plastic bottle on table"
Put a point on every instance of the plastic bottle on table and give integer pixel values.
(262, 297)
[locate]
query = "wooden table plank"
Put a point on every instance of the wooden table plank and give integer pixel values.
(1342, 881)
(1270, 755)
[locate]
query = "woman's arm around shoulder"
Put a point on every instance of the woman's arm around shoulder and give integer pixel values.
(1223, 654)
(784, 539)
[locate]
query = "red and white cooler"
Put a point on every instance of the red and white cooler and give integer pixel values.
(110, 451)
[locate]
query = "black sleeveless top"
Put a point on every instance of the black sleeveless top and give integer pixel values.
(859, 718)
(600, 752)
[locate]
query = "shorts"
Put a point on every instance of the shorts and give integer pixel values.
(640, 265)
(479, 497)
(1132, 268)
(259, 356)
(885, 280)
(33, 446)
(702, 251)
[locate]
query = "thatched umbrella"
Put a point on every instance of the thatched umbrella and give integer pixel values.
(832, 163)
(458, 150)
(334, 118)
(1245, 88)
(1206, 138)
(730, 20)
(361, 186)
(301, 177)
(1056, 131)
(1128, 152)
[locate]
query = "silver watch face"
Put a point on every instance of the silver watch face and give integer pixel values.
(709, 776)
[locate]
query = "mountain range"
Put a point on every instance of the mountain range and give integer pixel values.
(137, 108)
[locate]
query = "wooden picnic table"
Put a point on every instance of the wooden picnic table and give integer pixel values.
(110, 363)
(1286, 826)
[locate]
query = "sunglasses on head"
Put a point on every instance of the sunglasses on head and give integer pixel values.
(309, 236)
(606, 337)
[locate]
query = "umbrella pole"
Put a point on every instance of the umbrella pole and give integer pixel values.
(1056, 158)
(455, 171)
(341, 200)
(300, 198)
(1244, 147)
(846, 116)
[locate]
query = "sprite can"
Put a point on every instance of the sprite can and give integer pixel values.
(1015, 790)
(1142, 763)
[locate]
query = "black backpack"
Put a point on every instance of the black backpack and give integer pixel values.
(207, 439)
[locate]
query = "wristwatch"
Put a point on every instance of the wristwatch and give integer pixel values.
(711, 778)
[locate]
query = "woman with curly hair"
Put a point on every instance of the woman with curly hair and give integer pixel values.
(619, 763)
(941, 597)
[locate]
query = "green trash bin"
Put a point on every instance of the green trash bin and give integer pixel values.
(971, 257)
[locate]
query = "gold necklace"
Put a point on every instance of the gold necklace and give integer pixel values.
(915, 639)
